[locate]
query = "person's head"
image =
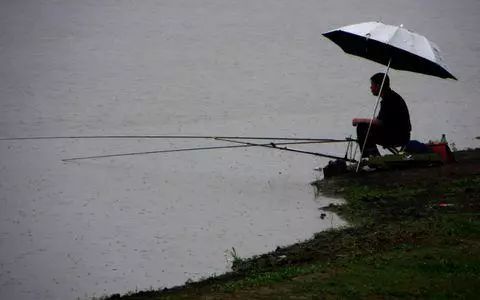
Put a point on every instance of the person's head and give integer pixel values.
(376, 83)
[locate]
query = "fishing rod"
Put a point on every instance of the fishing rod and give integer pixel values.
(274, 146)
(183, 149)
(169, 137)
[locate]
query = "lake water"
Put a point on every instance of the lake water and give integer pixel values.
(220, 67)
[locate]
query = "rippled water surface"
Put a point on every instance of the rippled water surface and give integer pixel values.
(113, 225)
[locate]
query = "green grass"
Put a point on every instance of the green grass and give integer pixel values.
(424, 273)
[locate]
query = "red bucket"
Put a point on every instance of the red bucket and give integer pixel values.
(443, 150)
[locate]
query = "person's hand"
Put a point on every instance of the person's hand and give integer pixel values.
(357, 121)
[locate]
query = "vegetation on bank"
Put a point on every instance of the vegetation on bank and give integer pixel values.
(415, 234)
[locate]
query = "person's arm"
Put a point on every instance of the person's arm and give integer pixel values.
(357, 121)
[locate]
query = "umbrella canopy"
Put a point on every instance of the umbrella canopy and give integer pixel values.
(395, 46)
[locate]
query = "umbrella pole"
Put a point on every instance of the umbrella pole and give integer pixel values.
(374, 112)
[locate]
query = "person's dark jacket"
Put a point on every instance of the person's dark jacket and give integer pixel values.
(394, 116)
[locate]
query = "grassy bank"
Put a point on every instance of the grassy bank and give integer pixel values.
(415, 234)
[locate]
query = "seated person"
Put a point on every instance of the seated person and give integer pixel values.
(391, 127)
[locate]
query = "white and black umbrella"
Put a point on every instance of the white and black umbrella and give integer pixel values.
(393, 46)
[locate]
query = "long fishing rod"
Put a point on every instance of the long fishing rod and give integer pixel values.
(274, 146)
(169, 137)
(183, 149)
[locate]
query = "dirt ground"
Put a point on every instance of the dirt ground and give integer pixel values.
(467, 163)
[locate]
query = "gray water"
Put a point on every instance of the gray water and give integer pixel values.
(220, 67)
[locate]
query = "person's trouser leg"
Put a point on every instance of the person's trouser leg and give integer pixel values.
(370, 146)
